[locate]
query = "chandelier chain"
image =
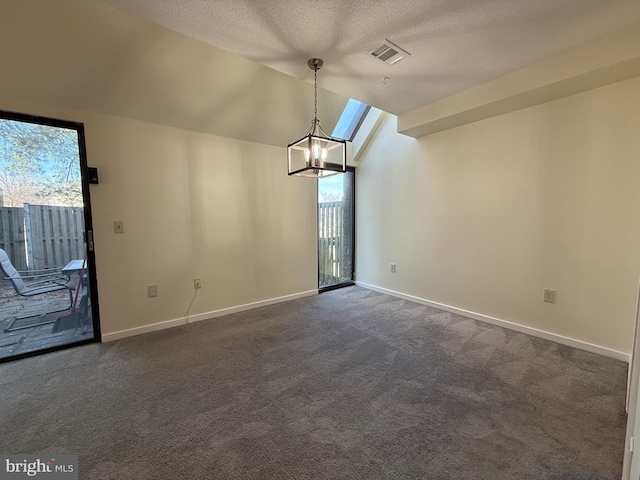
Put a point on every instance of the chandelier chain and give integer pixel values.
(315, 94)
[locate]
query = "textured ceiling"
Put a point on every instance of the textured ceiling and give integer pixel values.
(454, 44)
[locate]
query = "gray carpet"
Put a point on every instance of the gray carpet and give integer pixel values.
(350, 384)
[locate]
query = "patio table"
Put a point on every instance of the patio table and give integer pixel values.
(74, 266)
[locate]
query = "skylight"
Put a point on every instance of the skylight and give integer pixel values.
(350, 120)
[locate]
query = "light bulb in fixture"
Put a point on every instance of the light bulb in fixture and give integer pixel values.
(323, 156)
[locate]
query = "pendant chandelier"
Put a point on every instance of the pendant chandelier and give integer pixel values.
(316, 154)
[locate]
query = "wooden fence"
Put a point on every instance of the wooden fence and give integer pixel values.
(334, 243)
(38, 237)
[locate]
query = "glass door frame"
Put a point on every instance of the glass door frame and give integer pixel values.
(350, 282)
(88, 228)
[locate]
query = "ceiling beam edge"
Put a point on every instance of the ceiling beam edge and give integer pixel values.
(601, 63)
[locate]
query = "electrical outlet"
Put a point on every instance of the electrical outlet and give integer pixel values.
(118, 226)
(152, 291)
(393, 268)
(549, 295)
(197, 283)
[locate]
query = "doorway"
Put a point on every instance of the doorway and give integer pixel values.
(336, 230)
(48, 295)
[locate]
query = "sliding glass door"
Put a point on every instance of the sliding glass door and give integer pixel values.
(47, 290)
(336, 230)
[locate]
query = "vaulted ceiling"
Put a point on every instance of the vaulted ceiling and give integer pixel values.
(125, 58)
(453, 44)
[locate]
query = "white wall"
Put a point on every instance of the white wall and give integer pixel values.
(195, 205)
(484, 216)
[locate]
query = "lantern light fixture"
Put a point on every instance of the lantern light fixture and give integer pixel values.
(317, 154)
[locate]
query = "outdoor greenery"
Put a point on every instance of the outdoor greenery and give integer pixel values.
(39, 164)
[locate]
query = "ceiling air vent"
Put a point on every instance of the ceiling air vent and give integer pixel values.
(389, 53)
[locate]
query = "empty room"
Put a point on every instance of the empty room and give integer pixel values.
(319, 240)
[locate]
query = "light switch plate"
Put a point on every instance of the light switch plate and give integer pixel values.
(549, 295)
(118, 226)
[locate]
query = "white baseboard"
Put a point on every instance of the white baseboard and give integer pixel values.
(154, 327)
(589, 347)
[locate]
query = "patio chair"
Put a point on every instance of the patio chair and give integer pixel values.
(40, 283)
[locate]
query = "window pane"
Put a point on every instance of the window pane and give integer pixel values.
(335, 229)
(350, 120)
